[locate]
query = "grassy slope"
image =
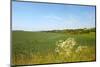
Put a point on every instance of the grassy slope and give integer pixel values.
(25, 44)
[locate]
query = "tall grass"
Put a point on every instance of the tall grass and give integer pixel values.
(44, 47)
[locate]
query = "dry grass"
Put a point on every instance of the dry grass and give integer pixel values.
(65, 51)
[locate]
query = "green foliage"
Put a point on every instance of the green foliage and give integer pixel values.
(74, 31)
(39, 47)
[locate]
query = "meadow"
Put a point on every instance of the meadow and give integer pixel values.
(52, 47)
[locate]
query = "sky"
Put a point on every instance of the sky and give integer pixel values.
(31, 16)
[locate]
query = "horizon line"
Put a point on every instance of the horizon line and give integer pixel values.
(54, 29)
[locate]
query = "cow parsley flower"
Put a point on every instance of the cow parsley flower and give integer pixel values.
(65, 46)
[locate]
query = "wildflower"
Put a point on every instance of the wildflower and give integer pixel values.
(60, 41)
(65, 46)
(56, 50)
(80, 48)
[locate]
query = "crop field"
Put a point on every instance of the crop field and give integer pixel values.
(52, 47)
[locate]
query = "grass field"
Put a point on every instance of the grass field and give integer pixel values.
(39, 47)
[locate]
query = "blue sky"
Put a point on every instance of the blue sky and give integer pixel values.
(41, 16)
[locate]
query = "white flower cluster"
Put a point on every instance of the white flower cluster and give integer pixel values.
(65, 47)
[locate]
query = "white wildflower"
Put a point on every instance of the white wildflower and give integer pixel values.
(80, 48)
(60, 41)
(66, 46)
(57, 50)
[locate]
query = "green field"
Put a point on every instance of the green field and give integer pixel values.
(39, 47)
